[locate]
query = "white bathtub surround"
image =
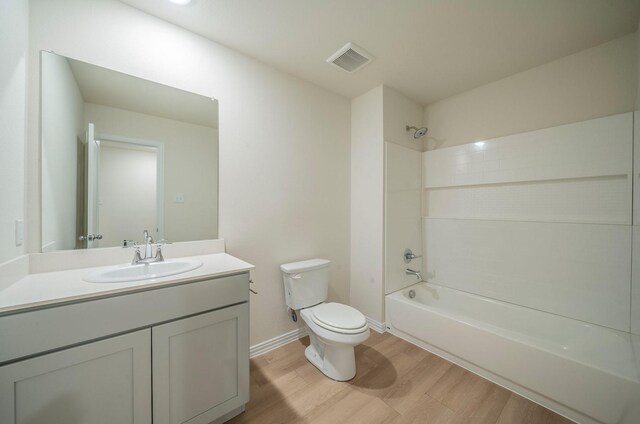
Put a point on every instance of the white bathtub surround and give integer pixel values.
(540, 219)
(403, 211)
(595, 148)
(528, 256)
(586, 372)
(578, 271)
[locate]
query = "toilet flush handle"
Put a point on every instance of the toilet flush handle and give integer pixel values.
(296, 276)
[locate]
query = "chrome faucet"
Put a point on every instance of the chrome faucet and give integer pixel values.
(148, 250)
(410, 271)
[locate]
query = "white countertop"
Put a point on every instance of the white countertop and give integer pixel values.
(51, 288)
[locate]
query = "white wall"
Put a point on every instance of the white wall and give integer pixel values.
(398, 112)
(284, 143)
(62, 128)
(367, 204)
(13, 76)
(190, 168)
(596, 82)
(127, 200)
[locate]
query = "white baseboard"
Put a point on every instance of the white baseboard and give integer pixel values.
(276, 342)
(378, 326)
(283, 339)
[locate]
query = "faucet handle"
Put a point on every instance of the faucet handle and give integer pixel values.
(137, 258)
(159, 256)
(409, 256)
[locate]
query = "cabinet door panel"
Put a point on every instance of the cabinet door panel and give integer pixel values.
(103, 382)
(200, 366)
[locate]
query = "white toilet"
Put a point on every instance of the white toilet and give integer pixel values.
(334, 329)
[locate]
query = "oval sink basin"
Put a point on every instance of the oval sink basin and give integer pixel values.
(142, 271)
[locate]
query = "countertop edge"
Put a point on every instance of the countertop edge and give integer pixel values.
(137, 286)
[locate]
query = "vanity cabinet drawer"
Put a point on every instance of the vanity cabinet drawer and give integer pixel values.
(103, 382)
(29, 333)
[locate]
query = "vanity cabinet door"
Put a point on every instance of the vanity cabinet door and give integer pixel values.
(201, 366)
(103, 382)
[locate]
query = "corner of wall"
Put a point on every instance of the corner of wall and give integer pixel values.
(399, 111)
(367, 203)
(13, 82)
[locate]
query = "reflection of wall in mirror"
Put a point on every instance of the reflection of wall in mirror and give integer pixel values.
(127, 192)
(190, 168)
(62, 126)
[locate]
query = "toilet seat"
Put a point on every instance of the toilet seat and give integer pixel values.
(339, 318)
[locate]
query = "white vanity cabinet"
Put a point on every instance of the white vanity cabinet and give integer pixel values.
(182, 348)
(103, 382)
(197, 374)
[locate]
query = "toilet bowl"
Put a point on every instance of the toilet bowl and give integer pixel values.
(331, 347)
(334, 329)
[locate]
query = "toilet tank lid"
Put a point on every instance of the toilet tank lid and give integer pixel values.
(302, 266)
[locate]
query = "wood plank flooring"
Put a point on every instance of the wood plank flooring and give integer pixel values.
(396, 382)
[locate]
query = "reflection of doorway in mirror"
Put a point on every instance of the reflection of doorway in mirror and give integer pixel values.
(129, 189)
(77, 97)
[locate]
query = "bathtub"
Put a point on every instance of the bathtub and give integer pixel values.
(585, 372)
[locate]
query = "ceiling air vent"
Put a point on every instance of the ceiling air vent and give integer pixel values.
(350, 58)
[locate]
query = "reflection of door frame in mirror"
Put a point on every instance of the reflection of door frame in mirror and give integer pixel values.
(91, 203)
(159, 146)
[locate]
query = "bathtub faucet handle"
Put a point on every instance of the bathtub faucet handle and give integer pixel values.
(409, 256)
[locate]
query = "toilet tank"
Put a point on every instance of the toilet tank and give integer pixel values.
(305, 283)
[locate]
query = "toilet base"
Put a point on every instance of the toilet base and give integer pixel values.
(336, 362)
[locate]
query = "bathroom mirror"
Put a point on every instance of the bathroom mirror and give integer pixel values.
(120, 155)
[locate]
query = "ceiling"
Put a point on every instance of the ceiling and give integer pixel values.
(111, 88)
(426, 49)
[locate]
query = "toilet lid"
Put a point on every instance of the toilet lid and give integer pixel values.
(337, 315)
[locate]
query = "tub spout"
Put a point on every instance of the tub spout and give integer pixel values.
(410, 271)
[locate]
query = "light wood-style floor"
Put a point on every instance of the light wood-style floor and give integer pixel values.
(396, 382)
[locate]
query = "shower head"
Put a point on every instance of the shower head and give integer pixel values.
(419, 132)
